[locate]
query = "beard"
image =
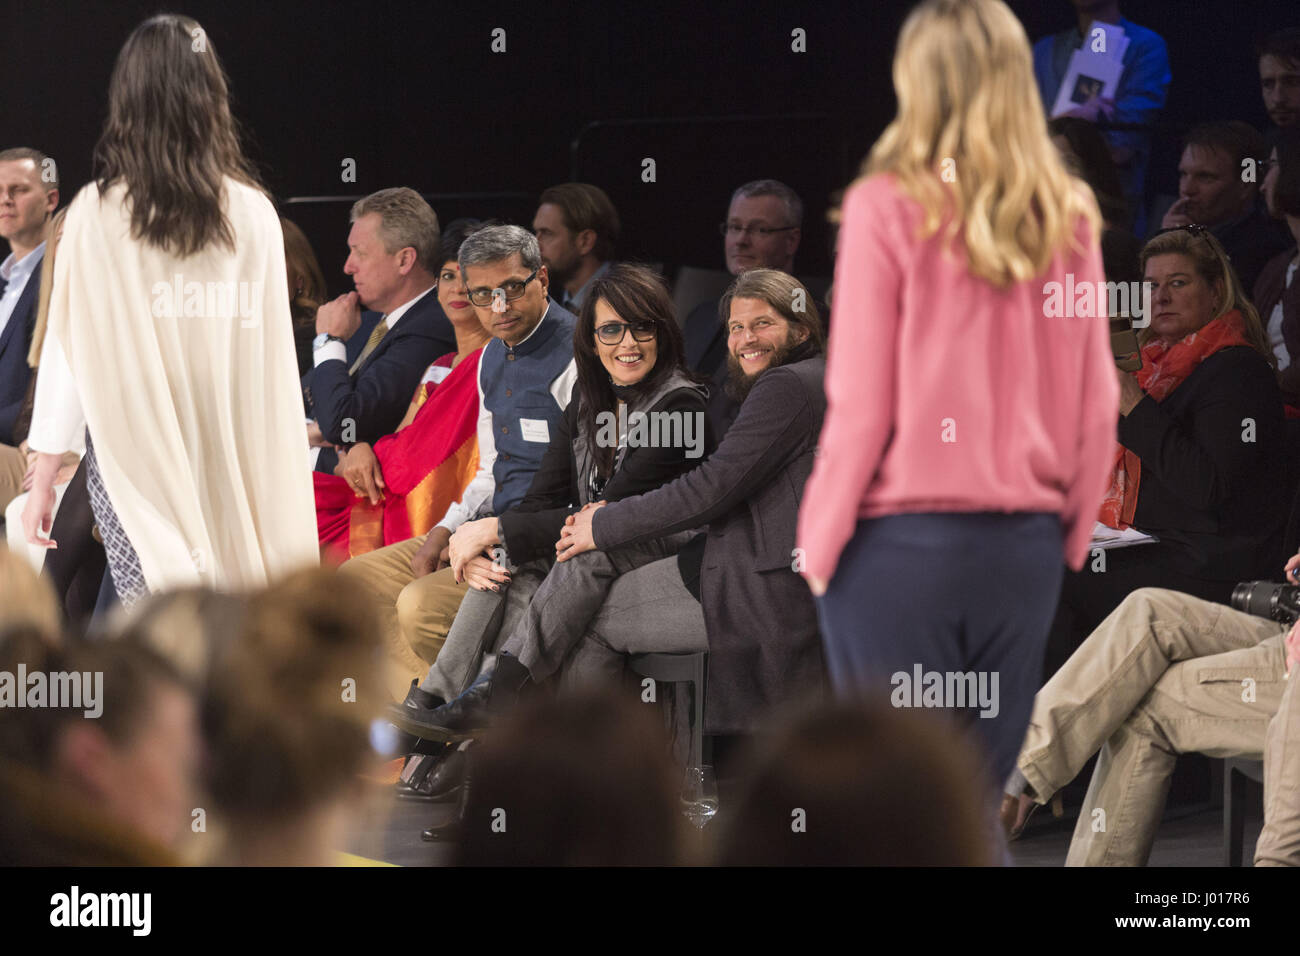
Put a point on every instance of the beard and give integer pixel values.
(739, 384)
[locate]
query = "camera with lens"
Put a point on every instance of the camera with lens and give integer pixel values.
(1277, 602)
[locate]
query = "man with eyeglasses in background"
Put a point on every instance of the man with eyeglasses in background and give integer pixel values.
(762, 231)
(525, 377)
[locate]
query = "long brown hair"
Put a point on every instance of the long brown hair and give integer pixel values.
(300, 260)
(170, 137)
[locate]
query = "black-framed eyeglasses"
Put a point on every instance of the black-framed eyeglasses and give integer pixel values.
(611, 333)
(735, 229)
(511, 289)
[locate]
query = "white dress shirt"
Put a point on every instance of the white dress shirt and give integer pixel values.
(16, 272)
(338, 350)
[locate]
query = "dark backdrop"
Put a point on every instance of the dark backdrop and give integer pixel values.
(413, 93)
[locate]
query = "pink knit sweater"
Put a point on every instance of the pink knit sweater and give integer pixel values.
(947, 394)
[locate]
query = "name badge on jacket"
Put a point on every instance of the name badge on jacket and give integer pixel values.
(535, 429)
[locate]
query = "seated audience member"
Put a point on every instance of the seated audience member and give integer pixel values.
(1086, 154)
(306, 289)
(114, 790)
(1164, 674)
(525, 376)
(734, 591)
(582, 782)
(638, 423)
(1279, 76)
(762, 231)
(394, 248)
(1277, 294)
(284, 769)
(577, 228)
(854, 773)
(1213, 192)
(396, 489)
(28, 198)
(1139, 98)
(1200, 463)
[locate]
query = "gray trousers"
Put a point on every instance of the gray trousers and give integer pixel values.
(573, 595)
(648, 610)
(482, 621)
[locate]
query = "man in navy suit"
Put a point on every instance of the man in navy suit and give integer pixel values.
(392, 262)
(29, 194)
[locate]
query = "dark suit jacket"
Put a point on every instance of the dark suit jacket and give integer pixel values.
(377, 396)
(1270, 289)
(531, 529)
(1217, 503)
(1250, 242)
(764, 646)
(15, 342)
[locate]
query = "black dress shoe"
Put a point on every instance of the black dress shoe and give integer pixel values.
(438, 781)
(447, 833)
(453, 721)
(417, 700)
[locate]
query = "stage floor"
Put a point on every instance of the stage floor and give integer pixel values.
(1189, 836)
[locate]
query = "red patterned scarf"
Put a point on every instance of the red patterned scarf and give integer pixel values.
(1163, 369)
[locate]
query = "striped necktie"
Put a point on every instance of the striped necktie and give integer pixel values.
(379, 332)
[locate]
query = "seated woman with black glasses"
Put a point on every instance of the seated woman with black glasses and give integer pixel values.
(639, 421)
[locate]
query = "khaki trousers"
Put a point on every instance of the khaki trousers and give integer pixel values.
(1165, 673)
(1279, 843)
(415, 613)
(13, 465)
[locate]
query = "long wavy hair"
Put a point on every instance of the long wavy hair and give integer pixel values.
(170, 137)
(970, 143)
(634, 292)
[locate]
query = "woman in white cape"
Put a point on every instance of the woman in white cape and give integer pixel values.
(170, 342)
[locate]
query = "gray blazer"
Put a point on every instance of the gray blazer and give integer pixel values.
(764, 647)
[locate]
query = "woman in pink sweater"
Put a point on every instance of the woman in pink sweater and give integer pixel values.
(971, 401)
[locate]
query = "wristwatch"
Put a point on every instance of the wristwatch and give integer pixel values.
(321, 339)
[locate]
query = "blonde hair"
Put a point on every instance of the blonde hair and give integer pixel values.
(53, 236)
(1212, 265)
(26, 599)
(968, 106)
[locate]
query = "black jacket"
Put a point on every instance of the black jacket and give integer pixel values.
(531, 529)
(1217, 501)
(15, 342)
(377, 396)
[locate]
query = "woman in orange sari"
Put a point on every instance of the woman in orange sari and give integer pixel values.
(400, 487)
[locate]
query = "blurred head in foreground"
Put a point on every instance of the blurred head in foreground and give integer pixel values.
(287, 718)
(582, 781)
(859, 786)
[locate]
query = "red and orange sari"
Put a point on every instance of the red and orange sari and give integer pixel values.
(426, 466)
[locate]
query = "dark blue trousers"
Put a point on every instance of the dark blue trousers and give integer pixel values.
(949, 594)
